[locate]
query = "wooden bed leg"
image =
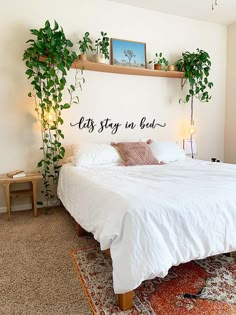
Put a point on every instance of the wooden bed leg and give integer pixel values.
(231, 254)
(108, 253)
(80, 230)
(125, 300)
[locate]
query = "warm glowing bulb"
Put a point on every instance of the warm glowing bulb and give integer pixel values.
(50, 117)
(192, 130)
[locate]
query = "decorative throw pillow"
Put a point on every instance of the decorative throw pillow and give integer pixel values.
(135, 153)
(166, 151)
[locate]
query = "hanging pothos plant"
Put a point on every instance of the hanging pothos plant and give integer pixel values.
(48, 78)
(196, 67)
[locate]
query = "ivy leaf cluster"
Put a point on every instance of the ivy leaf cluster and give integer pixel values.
(196, 67)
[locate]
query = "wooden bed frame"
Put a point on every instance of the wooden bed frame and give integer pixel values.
(125, 300)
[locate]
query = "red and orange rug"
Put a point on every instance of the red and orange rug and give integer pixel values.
(205, 287)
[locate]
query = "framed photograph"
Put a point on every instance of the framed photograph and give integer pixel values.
(128, 53)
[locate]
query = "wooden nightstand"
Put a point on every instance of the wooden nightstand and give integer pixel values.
(30, 177)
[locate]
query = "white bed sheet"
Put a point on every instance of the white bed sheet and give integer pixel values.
(153, 217)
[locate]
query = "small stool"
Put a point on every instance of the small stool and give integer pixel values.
(30, 177)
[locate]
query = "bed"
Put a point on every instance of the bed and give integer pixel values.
(153, 217)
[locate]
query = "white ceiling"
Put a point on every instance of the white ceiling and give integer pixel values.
(224, 12)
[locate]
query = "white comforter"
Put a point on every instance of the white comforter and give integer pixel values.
(153, 217)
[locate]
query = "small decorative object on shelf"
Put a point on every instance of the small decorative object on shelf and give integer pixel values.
(128, 53)
(160, 62)
(102, 48)
(85, 45)
(171, 68)
(16, 174)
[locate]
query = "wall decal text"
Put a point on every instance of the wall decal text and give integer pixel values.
(114, 127)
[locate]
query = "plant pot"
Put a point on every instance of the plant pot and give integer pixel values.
(82, 57)
(100, 58)
(171, 68)
(157, 66)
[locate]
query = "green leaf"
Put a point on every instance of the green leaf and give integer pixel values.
(56, 26)
(66, 106)
(37, 87)
(60, 120)
(47, 24)
(29, 72)
(61, 68)
(72, 87)
(187, 98)
(35, 32)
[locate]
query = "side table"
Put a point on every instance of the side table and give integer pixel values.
(33, 178)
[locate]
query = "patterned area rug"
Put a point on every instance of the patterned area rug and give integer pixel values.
(206, 287)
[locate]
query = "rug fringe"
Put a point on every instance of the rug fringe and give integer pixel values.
(72, 252)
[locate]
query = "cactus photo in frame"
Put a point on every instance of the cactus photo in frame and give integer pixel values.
(128, 53)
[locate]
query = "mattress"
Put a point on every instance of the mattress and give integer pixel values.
(153, 217)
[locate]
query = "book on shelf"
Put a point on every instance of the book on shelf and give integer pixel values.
(16, 174)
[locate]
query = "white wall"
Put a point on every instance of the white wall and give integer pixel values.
(118, 97)
(230, 109)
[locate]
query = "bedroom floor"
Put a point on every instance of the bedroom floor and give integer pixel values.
(36, 272)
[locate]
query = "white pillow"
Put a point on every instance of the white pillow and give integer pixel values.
(69, 159)
(167, 151)
(95, 154)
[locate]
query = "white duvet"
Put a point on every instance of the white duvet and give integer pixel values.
(153, 217)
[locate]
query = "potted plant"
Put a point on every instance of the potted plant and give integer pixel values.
(160, 62)
(196, 67)
(102, 48)
(48, 79)
(85, 45)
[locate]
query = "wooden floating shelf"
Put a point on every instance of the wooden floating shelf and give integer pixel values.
(92, 66)
(100, 67)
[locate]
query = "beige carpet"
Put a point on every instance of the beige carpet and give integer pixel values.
(36, 272)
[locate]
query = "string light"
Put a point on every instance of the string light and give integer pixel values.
(192, 130)
(49, 117)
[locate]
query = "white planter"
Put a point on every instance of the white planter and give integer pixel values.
(171, 68)
(100, 58)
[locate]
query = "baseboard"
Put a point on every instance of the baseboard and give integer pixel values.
(27, 206)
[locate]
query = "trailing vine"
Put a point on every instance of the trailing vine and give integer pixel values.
(196, 67)
(48, 60)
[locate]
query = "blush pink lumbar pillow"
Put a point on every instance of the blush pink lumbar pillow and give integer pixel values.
(135, 153)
